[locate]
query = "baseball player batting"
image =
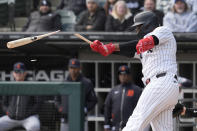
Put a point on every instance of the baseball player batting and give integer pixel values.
(156, 50)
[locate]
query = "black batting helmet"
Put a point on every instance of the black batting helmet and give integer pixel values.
(148, 20)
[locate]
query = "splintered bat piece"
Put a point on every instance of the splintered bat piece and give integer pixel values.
(83, 38)
(28, 40)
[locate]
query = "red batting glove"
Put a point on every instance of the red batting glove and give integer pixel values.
(104, 50)
(145, 44)
(96, 45)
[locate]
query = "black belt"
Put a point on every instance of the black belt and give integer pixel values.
(160, 75)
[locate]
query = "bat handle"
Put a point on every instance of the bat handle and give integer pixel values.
(83, 38)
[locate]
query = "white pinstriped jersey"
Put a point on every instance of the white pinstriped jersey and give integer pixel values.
(162, 58)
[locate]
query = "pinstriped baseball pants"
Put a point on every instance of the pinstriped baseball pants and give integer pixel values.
(155, 105)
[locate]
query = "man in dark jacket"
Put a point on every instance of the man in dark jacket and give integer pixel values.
(20, 110)
(43, 20)
(121, 101)
(92, 19)
(90, 97)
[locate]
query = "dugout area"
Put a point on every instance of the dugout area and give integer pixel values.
(47, 59)
(75, 99)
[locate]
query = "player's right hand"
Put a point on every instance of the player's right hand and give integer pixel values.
(96, 45)
(145, 44)
(104, 50)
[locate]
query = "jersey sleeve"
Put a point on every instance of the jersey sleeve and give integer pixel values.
(163, 34)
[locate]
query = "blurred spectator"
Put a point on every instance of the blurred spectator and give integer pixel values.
(43, 20)
(120, 18)
(135, 6)
(21, 111)
(93, 19)
(180, 19)
(150, 5)
(121, 101)
(77, 6)
(166, 5)
(193, 5)
(74, 75)
(109, 5)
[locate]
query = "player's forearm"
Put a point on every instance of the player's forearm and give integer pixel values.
(107, 49)
(127, 49)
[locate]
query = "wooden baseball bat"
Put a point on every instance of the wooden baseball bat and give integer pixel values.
(28, 40)
(83, 38)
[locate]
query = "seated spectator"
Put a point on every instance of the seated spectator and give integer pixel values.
(120, 19)
(109, 5)
(180, 19)
(21, 111)
(93, 19)
(43, 20)
(77, 6)
(166, 5)
(135, 6)
(150, 5)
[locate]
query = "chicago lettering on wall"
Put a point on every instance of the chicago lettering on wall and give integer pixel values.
(40, 75)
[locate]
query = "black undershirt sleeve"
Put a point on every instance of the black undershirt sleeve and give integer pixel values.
(156, 40)
(128, 49)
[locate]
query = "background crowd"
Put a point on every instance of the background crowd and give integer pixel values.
(109, 15)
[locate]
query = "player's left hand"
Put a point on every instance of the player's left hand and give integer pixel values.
(145, 44)
(104, 50)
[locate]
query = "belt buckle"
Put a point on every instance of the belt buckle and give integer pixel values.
(147, 81)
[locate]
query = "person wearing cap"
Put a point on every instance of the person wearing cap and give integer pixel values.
(21, 111)
(43, 20)
(92, 19)
(74, 68)
(121, 101)
(180, 19)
